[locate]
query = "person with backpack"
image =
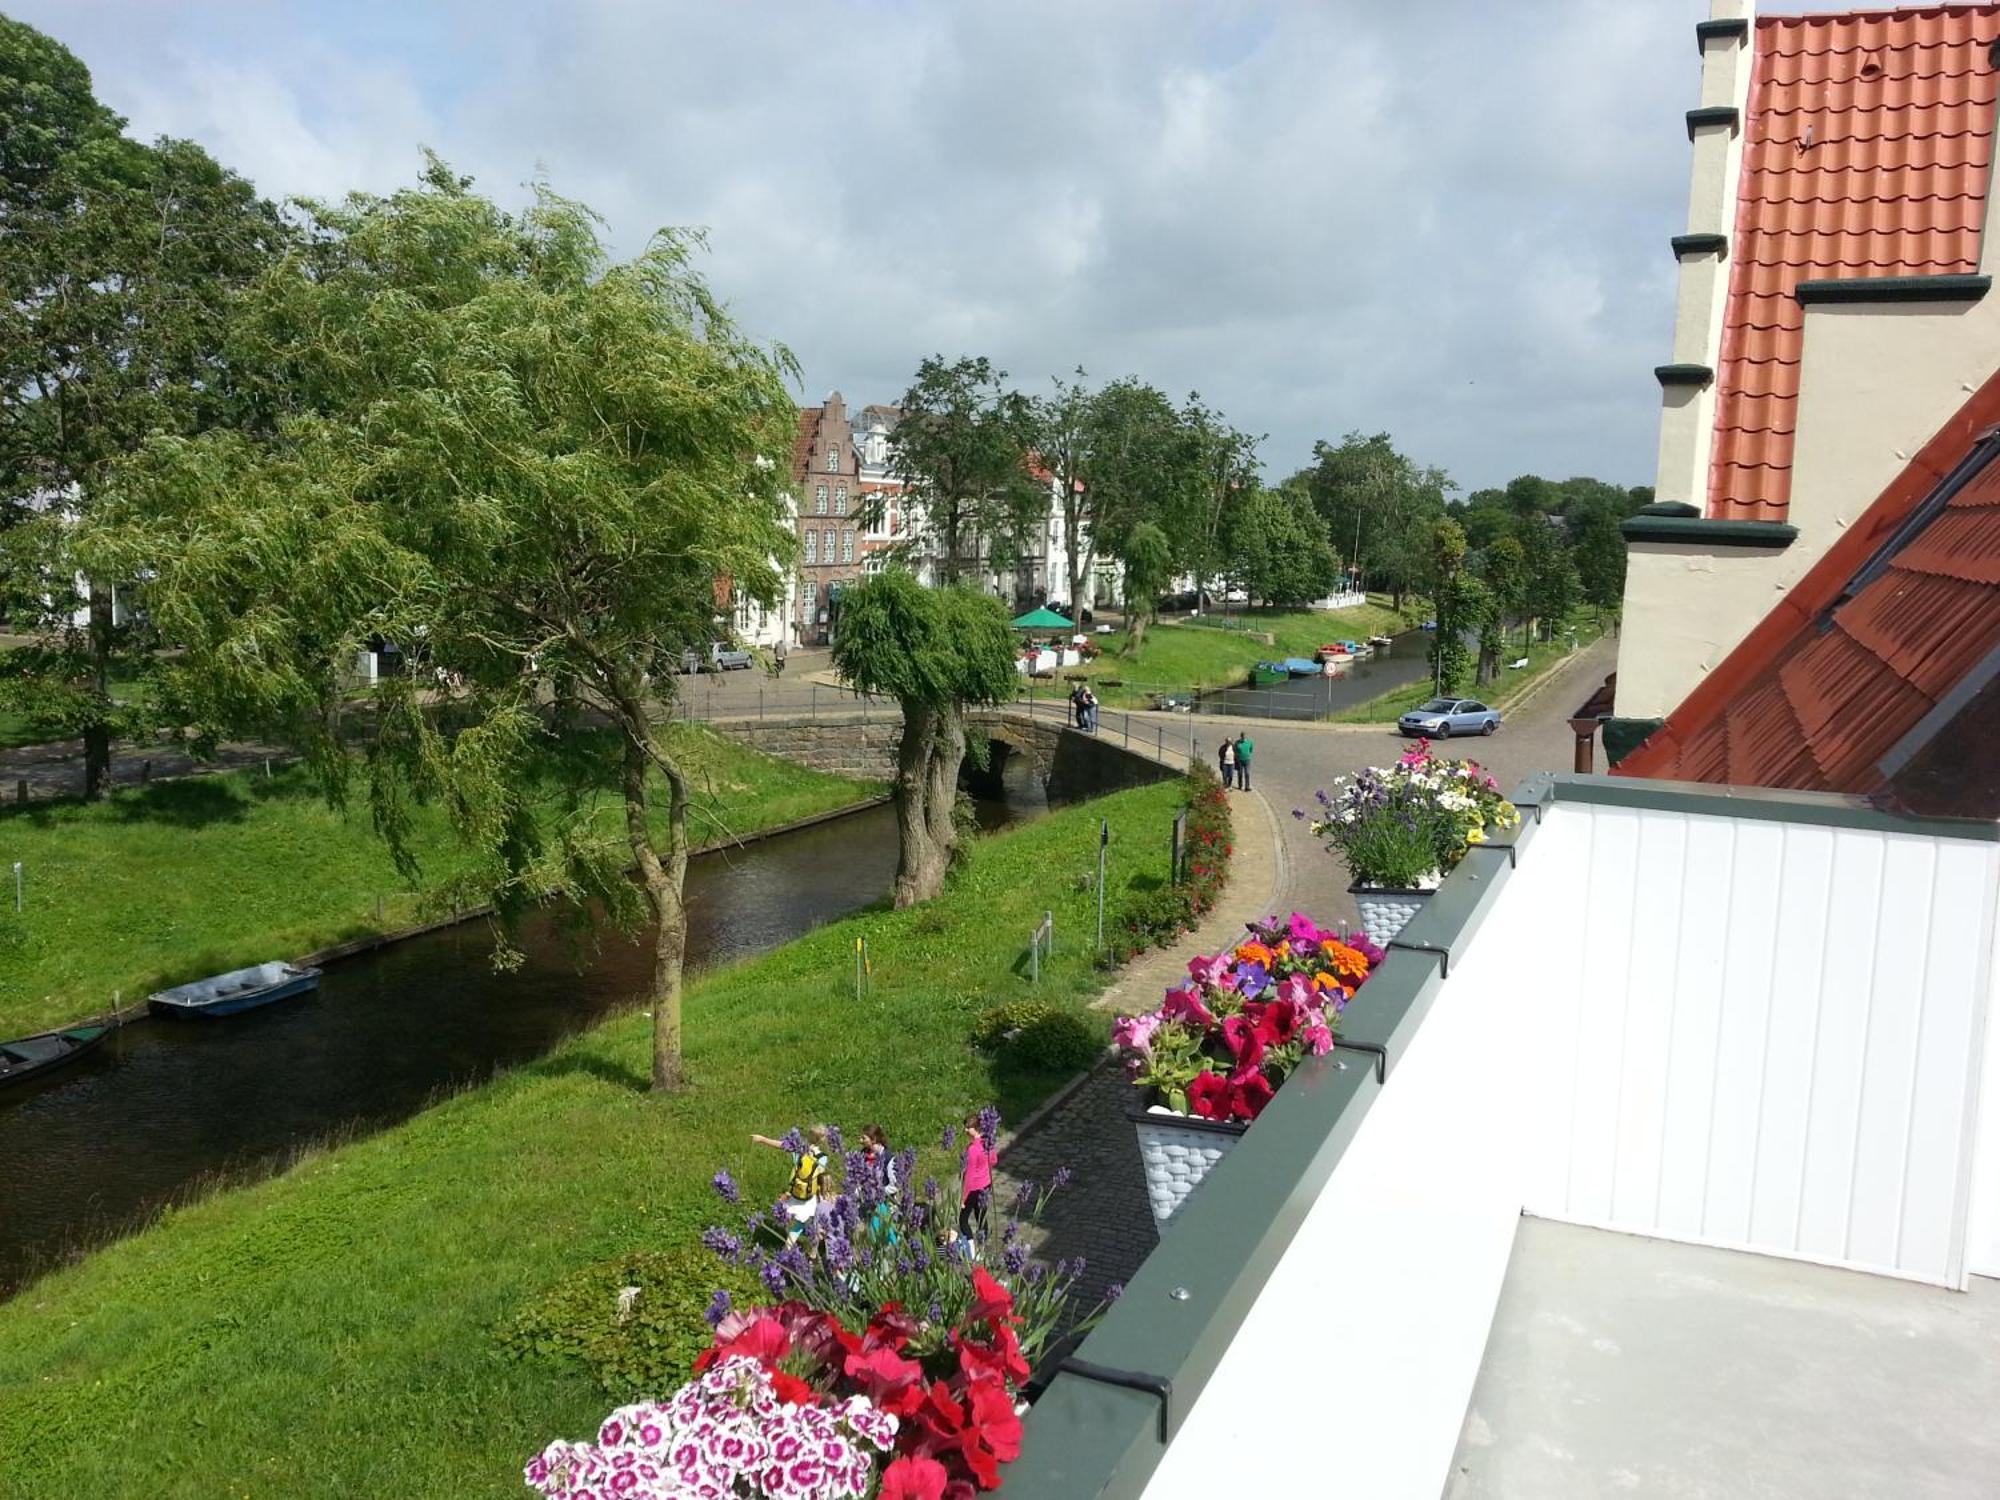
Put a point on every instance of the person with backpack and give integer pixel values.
(809, 1172)
(1244, 750)
(1226, 761)
(875, 1148)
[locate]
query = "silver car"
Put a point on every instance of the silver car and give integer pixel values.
(1441, 718)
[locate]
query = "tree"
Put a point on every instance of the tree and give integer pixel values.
(1136, 470)
(1062, 442)
(1549, 589)
(961, 449)
(934, 651)
(122, 261)
(526, 464)
(1458, 606)
(1277, 548)
(1149, 564)
(1507, 576)
(1216, 462)
(1598, 549)
(1380, 506)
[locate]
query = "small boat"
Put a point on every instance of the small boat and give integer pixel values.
(1301, 666)
(34, 1055)
(1381, 640)
(1335, 648)
(1267, 672)
(240, 989)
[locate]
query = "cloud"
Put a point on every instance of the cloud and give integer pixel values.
(1444, 219)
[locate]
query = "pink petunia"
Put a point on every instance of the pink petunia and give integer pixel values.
(1185, 1005)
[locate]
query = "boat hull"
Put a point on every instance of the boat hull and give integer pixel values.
(39, 1055)
(235, 1004)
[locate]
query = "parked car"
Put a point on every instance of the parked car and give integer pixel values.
(721, 658)
(1441, 718)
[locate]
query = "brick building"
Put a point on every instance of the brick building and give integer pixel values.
(826, 477)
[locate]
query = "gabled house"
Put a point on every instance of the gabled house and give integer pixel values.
(1833, 319)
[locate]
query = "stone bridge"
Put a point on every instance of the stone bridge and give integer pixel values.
(1069, 763)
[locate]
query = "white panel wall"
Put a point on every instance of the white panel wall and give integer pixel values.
(1765, 1035)
(1369, 1335)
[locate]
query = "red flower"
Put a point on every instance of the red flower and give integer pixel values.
(886, 1378)
(1245, 1045)
(982, 1434)
(914, 1478)
(1277, 1020)
(792, 1390)
(992, 1302)
(765, 1341)
(1208, 1096)
(1001, 1358)
(1249, 1092)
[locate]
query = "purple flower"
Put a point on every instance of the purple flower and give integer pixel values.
(1252, 979)
(774, 1278)
(989, 1126)
(793, 1140)
(1113, 1292)
(722, 1242)
(833, 1141)
(792, 1261)
(1060, 1180)
(1015, 1259)
(718, 1308)
(949, 1138)
(1024, 1194)
(724, 1184)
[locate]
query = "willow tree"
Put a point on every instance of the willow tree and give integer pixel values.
(935, 651)
(528, 466)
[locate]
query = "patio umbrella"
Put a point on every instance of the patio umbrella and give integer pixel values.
(1042, 618)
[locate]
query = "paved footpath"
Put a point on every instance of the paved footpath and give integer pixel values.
(1102, 1214)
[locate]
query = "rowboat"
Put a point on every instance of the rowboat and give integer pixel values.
(35, 1055)
(1267, 672)
(1301, 666)
(1381, 640)
(238, 990)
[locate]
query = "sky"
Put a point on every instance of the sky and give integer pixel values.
(1442, 219)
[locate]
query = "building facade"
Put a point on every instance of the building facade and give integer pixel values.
(826, 478)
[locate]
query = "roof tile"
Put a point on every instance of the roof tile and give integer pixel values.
(1868, 143)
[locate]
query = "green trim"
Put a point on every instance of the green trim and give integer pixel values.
(1669, 508)
(1699, 531)
(1699, 244)
(1893, 289)
(1766, 804)
(1187, 1302)
(1683, 374)
(1714, 114)
(1736, 28)
(1623, 736)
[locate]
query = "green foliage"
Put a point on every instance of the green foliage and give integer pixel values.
(961, 448)
(1379, 506)
(1277, 547)
(1461, 604)
(646, 1350)
(934, 647)
(1156, 917)
(1037, 1034)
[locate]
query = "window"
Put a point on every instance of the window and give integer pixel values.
(840, 500)
(812, 599)
(833, 459)
(819, 500)
(812, 548)
(847, 546)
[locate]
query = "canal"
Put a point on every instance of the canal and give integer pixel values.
(1398, 664)
(167, 1108)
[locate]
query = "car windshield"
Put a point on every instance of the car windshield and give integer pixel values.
(1439, 706)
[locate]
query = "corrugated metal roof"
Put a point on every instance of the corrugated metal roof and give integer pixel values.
(1868, 142)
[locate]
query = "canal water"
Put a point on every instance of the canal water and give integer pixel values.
(167, 1106)
(1398, 664)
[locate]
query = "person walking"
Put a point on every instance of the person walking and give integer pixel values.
(1226, 762)
(802, 1190)
(1244, 750)
(1076, 705)
(1089, 710)
(875, 1149)
(779, 655)
(976, 1183)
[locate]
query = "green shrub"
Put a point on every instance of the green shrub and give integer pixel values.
(1155, 918)
(646, 1352)
(1037, 1035)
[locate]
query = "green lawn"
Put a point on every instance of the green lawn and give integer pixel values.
(186, 878)
(329, 1333)
(1218, 651)
(1543, 657)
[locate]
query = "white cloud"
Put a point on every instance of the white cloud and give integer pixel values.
(1442, 218)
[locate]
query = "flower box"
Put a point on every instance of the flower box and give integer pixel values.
(1385, 912)
(1177, 1152)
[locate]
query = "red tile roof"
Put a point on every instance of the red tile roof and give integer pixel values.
(1868, 140)
(1883, 628)
(802, 442)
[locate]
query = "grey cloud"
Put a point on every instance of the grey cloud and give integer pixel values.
(1447, 220)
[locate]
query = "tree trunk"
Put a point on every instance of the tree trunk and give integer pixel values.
(662, 879)
(927, 762)
(97, 732)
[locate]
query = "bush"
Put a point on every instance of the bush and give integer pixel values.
(646, 1352)
(1157, 917)
(1035, 1034)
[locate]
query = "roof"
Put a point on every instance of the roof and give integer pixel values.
(1867, 143)
(1873, 650)
(1042, 618)
(802, 442)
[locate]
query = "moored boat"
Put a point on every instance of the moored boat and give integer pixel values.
(1381, 640)
(238, 990)
(1301, 666)
(1267, 672)
(32, 1056)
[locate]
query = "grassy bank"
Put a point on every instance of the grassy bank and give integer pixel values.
(329, 1333)
(1218, 651)
(166, 883)
(1543, 657)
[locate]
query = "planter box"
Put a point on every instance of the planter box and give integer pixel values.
(1177, 1151)
(1384, 912)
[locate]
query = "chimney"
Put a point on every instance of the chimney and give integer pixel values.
(1715, 132)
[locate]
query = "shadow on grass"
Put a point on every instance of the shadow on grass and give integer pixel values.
(603, 1069)
(193, 803)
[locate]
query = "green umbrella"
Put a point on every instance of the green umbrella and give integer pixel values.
(1042, 618)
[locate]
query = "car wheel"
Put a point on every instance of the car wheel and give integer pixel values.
(1490, 726)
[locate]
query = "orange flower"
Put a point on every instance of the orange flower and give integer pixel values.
(1347, 962)
(1253, 953)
